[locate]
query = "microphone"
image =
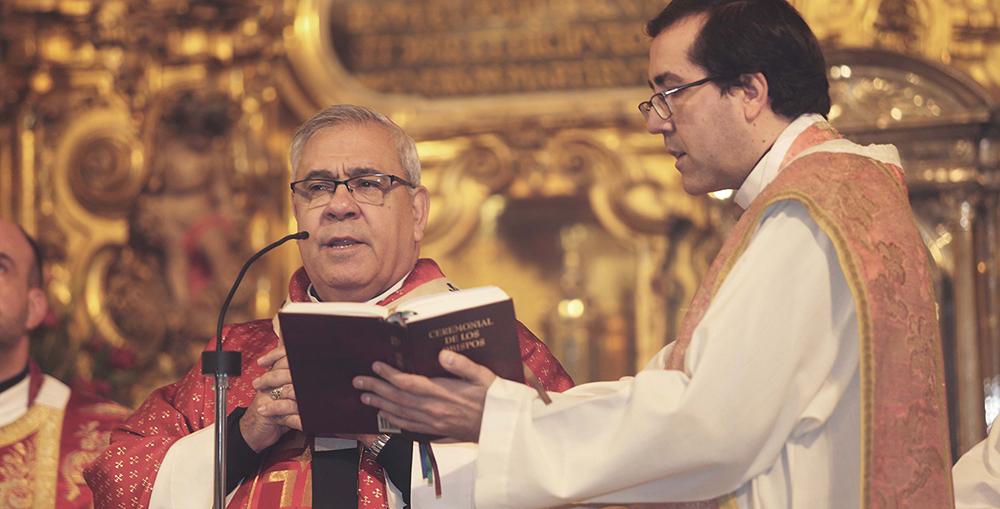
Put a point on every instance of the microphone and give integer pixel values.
(302, 235)
(222, 365)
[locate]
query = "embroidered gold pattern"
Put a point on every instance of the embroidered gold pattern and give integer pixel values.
(15, 476)
(287, 480)
(35, 439)
(91, 441)
(105, 408)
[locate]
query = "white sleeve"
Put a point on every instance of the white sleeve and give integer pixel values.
(457, 466)
(186, 478)
(977, 474)
(768, 360)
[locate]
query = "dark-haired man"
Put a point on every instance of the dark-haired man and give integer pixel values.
(807, 372)
(48, 432)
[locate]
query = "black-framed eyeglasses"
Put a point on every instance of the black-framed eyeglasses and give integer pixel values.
(370, 189)
(659, 103)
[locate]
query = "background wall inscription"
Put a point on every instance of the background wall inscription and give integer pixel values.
(454, 48)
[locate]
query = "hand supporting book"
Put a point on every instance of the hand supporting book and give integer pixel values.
(328, 344)
(449, 407)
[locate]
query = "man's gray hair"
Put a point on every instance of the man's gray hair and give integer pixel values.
(349, 114)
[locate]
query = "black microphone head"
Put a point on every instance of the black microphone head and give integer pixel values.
(302, 235)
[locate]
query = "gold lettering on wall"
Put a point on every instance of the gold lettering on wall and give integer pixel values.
(441, 48)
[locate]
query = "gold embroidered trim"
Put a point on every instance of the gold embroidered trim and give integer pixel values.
(45, 423)
(105, 408)
(728, 502)
(304, 459)
(859, 287)
(855, 282)
(31, 422)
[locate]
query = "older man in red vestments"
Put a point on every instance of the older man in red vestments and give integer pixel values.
(356, 191)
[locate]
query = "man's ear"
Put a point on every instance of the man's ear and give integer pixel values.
(38, 307)
(421, 209)
(754, 88)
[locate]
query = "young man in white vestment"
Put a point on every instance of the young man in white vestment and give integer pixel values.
(807, 373)
(977, 473)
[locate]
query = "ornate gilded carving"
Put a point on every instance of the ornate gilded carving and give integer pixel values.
(141, 224)
(525, 113)
(100, 159)
(616, 186)
(444, 48)
(873, 89)
(952, 32)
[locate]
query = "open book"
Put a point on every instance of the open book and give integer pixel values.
(329, 343)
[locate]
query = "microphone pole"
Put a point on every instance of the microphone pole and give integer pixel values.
(222, 365)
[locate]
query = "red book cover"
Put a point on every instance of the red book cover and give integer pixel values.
(328, 344)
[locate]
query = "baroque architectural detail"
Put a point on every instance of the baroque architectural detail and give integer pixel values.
(144, 144)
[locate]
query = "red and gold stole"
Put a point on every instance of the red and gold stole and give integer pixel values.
(43, 453)
(862, 205)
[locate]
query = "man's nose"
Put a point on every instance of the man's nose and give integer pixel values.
(342, 204)
(656, 125)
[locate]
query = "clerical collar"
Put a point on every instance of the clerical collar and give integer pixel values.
(14, 380)
(313, 296)
(769, 164)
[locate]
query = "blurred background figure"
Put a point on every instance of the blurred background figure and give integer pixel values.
(48, 432)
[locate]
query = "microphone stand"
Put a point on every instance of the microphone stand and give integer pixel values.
(222, 365)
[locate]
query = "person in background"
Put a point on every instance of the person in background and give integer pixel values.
(977, 473)
(48, 432)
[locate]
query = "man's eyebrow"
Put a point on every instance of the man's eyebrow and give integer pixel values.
(362, 170)
(350, 172)
(660, 79)
(319, 174)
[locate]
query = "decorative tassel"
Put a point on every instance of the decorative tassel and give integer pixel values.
(429, 467)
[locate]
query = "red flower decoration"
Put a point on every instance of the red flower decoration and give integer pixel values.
(121, 358)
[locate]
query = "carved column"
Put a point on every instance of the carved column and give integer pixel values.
(969, 402)
(987, 266)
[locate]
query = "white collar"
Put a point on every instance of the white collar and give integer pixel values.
(14, 402)
(768, 167)
(399, 284)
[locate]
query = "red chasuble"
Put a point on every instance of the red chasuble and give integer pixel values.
(43, 453)
(862, 205)
(124, 475)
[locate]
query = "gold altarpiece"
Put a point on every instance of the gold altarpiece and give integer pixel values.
(144, 143)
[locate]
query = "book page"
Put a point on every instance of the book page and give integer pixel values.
(443, 303)
(337, 308)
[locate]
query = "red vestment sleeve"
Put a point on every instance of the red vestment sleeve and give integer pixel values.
(123, 476)
(541, 362)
